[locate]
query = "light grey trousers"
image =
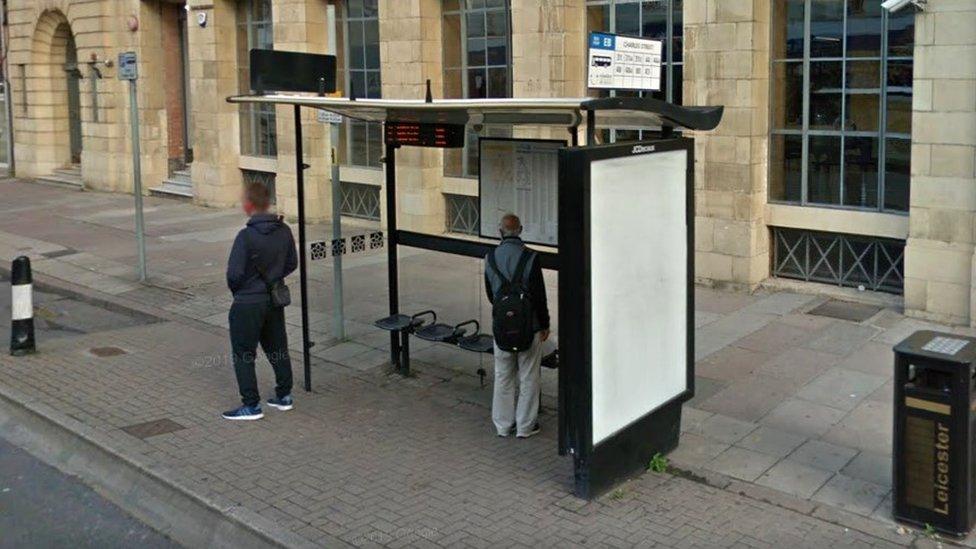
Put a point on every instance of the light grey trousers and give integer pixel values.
(525, 365)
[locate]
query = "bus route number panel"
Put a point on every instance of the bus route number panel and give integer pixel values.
(415, 134)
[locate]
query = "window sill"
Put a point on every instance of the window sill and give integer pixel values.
(460, 185)
(837, 220)
(258, 163)
(361, 174)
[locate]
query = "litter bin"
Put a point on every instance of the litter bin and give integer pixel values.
(934, 433)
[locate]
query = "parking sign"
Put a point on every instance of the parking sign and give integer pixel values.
(128, 67)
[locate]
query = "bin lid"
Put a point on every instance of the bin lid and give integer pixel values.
(944, 346)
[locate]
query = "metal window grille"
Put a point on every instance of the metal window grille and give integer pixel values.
(841, 104)
(259, 135)
(361, 45)
(462, 214)
(265, 178)
(655, 19)
(359, 200)
(846, 260)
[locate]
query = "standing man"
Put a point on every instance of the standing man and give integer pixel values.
(262, 256)
(520, 323)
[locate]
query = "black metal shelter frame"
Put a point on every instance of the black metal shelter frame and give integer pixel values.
(571, 113)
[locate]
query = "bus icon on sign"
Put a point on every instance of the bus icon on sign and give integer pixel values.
(602, 61)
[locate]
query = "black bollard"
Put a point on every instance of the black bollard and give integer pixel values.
(21, 308)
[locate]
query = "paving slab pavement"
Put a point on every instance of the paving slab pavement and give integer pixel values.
(373, 460)
(769, 372)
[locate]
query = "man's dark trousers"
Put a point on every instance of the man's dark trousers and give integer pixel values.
(250, 324)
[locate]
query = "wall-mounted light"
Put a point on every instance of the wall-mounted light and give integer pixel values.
(132, 22)
(202, 19)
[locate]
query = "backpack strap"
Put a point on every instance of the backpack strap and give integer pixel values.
(522, 264)
(493, 263)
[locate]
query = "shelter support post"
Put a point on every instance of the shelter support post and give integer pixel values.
(338, 314)
(302, 268)
(391, 250)
(590, 127)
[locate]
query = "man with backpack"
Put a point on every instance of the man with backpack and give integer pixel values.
(520, 323)
(263, 254)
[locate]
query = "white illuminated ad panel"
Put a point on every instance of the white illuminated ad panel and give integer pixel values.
(520, 176)
(623, 62)
(639, 286)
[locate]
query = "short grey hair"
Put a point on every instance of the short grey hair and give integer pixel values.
(510, 225)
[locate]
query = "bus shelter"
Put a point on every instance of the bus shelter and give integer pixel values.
(623, 244)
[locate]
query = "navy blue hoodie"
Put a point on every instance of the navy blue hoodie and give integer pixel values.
(267, 241)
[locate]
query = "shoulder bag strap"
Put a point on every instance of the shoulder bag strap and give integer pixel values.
(262, 273)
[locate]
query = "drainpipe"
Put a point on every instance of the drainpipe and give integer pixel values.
(8, 104)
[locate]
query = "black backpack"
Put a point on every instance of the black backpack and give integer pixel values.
(513, 315)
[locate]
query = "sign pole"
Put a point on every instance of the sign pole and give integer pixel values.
(338, 312)
(128, 70)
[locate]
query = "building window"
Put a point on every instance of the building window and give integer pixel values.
(477, 37)
(255, 30)
(359, 67)
(359, 200)
(846, 260)
(462, 214)
(653, 19)
(265, 178)
(841, 105)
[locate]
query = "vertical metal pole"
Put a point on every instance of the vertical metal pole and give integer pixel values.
(137, 178)
(391, 249)
(302, 269)
(338, 313)
(590, 128)
(405, 356)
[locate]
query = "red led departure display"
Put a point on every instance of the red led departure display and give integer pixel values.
(444, 136)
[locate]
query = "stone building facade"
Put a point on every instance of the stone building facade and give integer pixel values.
(847, 155)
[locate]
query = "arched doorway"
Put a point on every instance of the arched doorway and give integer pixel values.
(72, 75)
(53, 110)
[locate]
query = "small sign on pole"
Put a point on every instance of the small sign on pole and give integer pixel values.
(329, 117)
(128, 67)
(619, 62)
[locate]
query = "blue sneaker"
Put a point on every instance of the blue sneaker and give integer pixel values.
(244, 413)
(284, 403)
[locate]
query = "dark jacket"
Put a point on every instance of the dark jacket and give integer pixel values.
(507, 255)
(266, 241)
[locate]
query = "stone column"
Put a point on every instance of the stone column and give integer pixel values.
(216, 124)
(727, 63)
(548, 54)
(300, 25)
(147, 42)
(939, 262)
(548, 48)
(410, 53)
